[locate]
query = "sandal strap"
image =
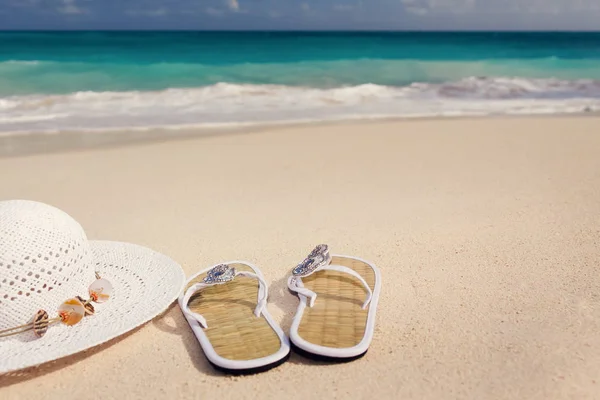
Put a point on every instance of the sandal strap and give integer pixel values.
(262, 295)
(320, 256)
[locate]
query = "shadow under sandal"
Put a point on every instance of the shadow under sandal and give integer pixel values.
(226, 307)
(335, 319)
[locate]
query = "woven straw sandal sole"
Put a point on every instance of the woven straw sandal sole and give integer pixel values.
(236, 342)
(336, 328)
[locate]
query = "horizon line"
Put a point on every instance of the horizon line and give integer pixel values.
(313, 30)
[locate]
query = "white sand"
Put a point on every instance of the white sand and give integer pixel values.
(487, 233)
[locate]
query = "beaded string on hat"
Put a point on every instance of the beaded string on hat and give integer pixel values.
(70, 312)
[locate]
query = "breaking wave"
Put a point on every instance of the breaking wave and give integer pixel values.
(225, 105)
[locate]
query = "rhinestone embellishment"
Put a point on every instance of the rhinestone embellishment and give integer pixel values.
(317, 258)
(220, 274)
(320, 250)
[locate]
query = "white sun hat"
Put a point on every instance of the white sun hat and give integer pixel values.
(46, 261)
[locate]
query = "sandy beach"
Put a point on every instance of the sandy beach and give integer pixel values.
(486, 232)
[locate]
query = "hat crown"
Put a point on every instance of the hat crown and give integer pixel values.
(45, 259)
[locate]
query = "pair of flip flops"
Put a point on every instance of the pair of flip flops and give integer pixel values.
(226, 307)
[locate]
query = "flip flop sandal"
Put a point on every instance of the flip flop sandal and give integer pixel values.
(339, 324)
(237, 336)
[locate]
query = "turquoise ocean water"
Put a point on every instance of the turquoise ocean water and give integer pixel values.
(113, 80)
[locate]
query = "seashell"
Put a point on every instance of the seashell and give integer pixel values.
(71, 311)
(40, 323)
(89, 308)
(100, 290)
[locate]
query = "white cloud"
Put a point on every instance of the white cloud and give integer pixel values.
(423, 7)
(233, 5)
(417, 10)
(214, 11)
(230, 5)
(343, 7)
(550, 6)
(159, 12)
(23, 3)
(70, 7)
(454, 6)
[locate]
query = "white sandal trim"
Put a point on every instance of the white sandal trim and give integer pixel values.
(207, 347)
(347, 352)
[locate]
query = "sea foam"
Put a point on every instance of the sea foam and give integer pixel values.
(228, 105)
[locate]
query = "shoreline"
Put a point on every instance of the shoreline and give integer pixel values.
(24, 144)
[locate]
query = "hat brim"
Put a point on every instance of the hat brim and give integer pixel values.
(145, 283)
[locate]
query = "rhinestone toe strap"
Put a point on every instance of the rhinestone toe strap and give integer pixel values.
(319, 260)
(217, 276)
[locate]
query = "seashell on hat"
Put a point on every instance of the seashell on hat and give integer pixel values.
(47, 259)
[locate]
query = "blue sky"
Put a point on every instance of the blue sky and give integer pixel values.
(301, 14)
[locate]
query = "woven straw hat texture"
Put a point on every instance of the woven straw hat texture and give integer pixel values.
(45, 259)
